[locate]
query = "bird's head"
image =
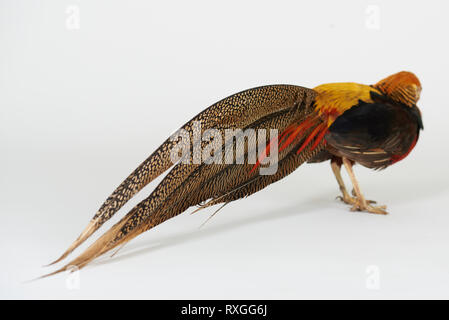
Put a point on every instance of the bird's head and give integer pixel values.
(403, 87)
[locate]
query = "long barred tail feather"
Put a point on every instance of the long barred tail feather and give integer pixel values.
(287, 108)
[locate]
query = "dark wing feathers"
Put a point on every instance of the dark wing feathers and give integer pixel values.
(372, 134)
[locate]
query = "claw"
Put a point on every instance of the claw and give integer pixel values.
(361, 206)
(346, 199)
(355, 195)
(358, 205)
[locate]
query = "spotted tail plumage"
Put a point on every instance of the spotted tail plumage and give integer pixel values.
(283, 107)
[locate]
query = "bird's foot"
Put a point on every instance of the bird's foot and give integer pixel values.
(361, 205)
(347, 199)
(352, 200)
(367, 201)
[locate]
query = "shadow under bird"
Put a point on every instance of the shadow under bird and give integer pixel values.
(345, 123)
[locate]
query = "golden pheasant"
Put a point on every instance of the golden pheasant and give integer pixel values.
(346, 123)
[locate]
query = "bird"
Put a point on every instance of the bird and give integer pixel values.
(345, 123)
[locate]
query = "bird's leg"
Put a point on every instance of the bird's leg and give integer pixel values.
(345, 197)
(336, 168)
(361, 204)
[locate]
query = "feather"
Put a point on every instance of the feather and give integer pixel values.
(375, 126)
(252, 108)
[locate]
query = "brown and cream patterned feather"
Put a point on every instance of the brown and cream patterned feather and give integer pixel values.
(186, 185)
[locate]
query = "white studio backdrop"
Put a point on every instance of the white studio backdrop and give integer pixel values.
(88, 89)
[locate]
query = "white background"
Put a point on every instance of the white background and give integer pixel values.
(80, 108)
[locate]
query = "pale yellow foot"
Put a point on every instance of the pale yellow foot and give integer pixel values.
(368, 201)
(346, 198)
(360, 205)
(358, 201)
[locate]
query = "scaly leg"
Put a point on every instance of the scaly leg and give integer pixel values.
(336, 167)
(345, 197)
(361, 204)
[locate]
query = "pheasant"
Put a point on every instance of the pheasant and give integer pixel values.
(344, 123)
